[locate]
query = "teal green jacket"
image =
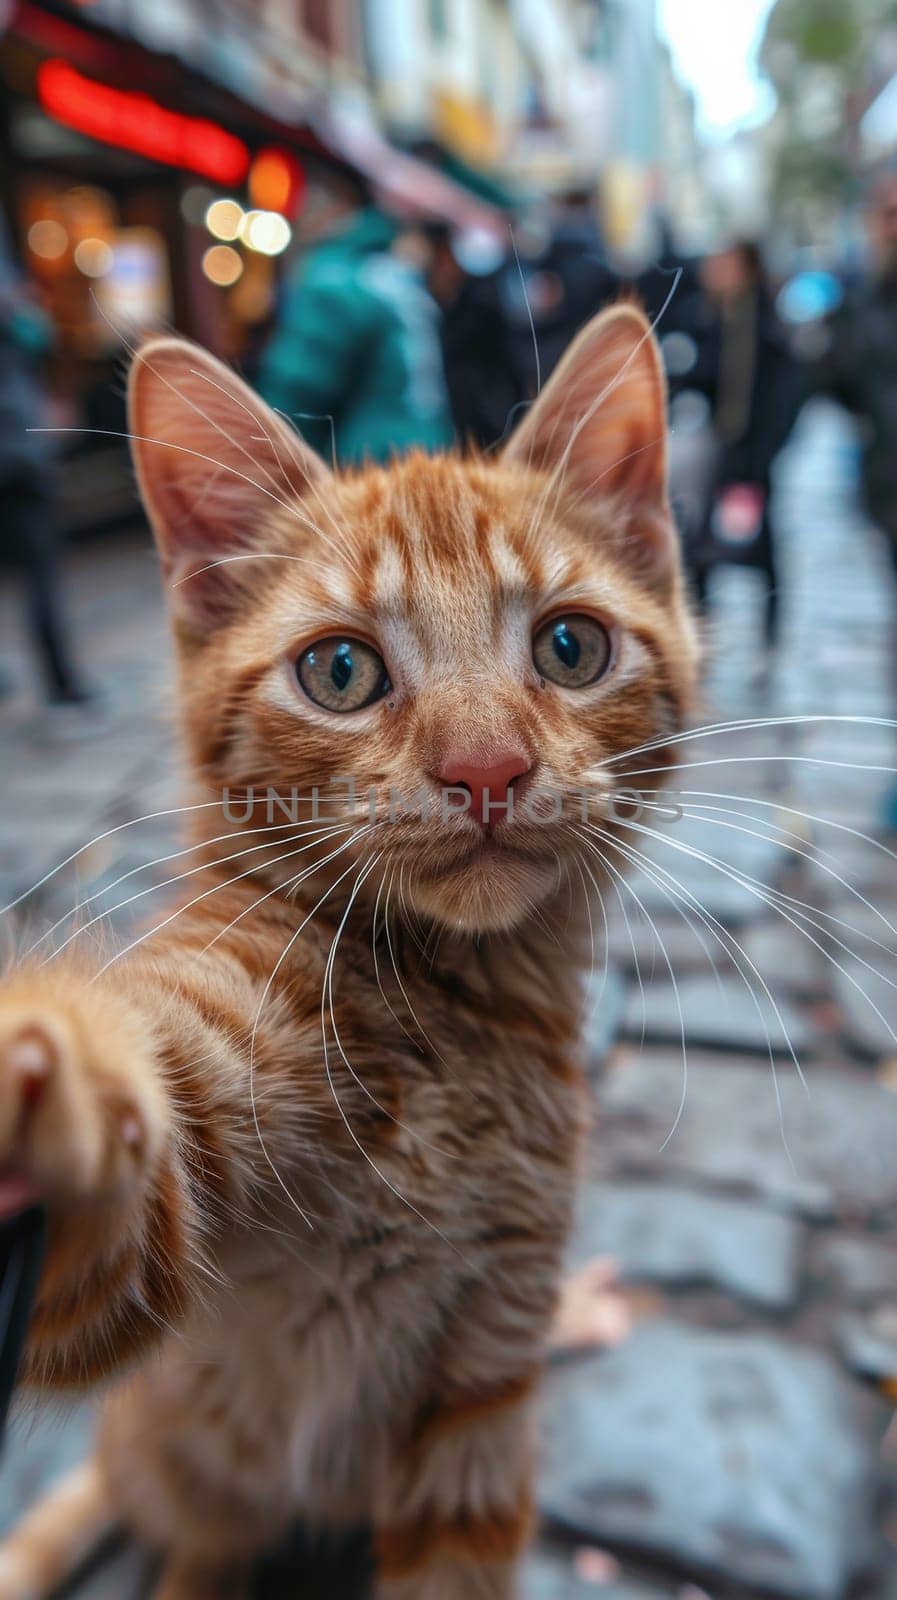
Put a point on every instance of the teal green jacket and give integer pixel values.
(358, 340)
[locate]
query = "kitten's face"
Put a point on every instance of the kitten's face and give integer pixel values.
(428, 631)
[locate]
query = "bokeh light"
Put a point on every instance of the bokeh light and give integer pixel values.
(267, 232)
(224, 219)
(222, 265)
(94, 257)
(48, 239)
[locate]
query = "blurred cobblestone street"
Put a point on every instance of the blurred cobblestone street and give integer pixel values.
(737, 1441)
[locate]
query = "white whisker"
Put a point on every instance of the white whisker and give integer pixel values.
(772, 899)
(327, 1003)
(663, 950)
(814, 857)
(179, 877)
(145, 866)
(660, 876)
(748, 725)
(265, 992)
(120, 827)
(226, 884)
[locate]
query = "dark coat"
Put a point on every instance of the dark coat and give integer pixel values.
(755, 386)
(497, 324)
(24, 339)
(860, 371)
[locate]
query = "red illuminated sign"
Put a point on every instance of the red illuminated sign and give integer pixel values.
(135, 122)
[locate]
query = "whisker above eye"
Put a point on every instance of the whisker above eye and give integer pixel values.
(247, 555)
(272, 445)
(624, 372)
(255, 412)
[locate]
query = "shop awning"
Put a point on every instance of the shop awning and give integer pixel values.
(247, 91)
(406, 185)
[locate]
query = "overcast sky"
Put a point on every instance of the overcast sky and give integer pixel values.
(714, 45)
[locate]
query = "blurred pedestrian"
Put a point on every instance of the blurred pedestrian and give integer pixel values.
(355, 358)
(756, 388)
(549, 287)
(859, 368)
(28, 512)
(578, 257)
(482, 387)
(510, 313)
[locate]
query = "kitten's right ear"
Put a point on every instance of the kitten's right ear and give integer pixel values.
(599, 428)
(213, 463)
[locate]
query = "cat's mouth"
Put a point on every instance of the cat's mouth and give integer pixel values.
(487, 885)
(486, 850)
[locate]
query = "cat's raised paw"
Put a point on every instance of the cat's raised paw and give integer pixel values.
(77, 1118)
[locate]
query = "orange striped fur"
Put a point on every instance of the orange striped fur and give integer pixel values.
(494, 1539)
(308, 1148)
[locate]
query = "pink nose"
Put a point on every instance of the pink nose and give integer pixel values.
(491, 787)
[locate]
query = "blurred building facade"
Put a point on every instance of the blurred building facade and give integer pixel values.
(557, 94)
(157, 159)
(830, 65)
(540, 95)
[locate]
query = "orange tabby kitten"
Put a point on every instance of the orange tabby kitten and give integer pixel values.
(308, 1147)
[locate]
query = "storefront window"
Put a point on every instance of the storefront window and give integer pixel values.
(100, 270)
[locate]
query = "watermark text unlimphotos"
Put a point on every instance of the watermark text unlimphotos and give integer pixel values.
(541, 805)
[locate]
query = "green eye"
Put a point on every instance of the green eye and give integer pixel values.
(572, 651)
(342, 674)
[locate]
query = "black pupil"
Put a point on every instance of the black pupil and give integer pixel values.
(342, 667)
(566, 646)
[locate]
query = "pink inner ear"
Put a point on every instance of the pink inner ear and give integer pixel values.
(207, 592)
(600, 423)
(214, 463)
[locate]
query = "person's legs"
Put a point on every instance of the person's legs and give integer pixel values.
(768, 565)
(31, 528)
(700, 579)
(889, 807)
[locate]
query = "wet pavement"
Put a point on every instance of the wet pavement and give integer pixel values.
(737, 1443)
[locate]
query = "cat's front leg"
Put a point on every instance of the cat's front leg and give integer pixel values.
(455, 1513)
(86, 1130)
(458, 1513)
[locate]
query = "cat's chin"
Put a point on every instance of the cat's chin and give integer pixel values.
(488, 895)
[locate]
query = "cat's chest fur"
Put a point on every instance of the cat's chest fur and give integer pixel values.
(441, 1084)
(435, 1153)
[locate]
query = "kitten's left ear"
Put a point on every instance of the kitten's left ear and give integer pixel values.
(600, 426)
(213, 463)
